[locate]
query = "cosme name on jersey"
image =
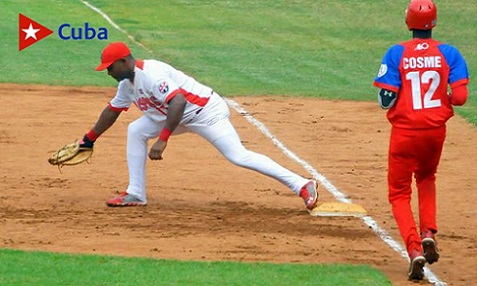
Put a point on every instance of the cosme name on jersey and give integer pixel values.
(66, 32)
(422, 62)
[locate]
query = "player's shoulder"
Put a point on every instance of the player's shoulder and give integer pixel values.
(417, 45)
(447, 47)
(157, 63)
(156, 70)
(156, 66)
(148, 63)
(450, 52)
(123, 86)
(395, 50)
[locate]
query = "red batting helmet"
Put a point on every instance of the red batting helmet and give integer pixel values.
(421, 15)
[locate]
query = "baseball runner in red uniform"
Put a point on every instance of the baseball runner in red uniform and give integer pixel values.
(413, 79)
(173, 103)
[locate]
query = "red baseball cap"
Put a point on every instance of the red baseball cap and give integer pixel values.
(113, 52)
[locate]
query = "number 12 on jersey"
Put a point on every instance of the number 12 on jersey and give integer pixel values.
(417, 79)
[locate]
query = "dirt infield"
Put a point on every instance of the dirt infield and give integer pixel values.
(201, 207)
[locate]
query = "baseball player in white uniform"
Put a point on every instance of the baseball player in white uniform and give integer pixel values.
(174, 103)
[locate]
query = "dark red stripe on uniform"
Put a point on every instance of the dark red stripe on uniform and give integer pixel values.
(194, 98)
(386, 86)
(116, 109)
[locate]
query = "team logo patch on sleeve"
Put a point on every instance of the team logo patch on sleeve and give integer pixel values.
(383, 69)
(163, 87)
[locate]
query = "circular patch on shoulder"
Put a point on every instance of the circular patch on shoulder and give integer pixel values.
(383, 69)
(163, 87)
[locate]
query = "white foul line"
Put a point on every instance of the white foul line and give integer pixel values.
(368, 220)
(116, 26)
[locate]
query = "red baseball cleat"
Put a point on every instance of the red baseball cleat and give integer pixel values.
(125, 200)
(309, 195)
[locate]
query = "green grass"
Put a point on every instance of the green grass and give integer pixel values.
(52, 60)
(41, 268)
(329, 48)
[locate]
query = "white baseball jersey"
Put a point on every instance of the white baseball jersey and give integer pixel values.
(155, 84)
(206, 114)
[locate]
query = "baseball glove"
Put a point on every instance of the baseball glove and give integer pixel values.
(71, 154)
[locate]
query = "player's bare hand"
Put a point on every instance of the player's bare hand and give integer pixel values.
(157, 149)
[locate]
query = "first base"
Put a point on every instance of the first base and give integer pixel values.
(338, 209)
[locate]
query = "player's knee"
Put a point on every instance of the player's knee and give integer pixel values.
(235, 159)
(240, 159)
(134, 130)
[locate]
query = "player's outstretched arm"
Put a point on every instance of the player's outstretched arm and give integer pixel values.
(105, 121)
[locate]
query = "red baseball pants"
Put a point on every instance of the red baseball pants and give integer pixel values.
(415, 152)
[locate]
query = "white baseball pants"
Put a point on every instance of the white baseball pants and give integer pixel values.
(213, 124)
